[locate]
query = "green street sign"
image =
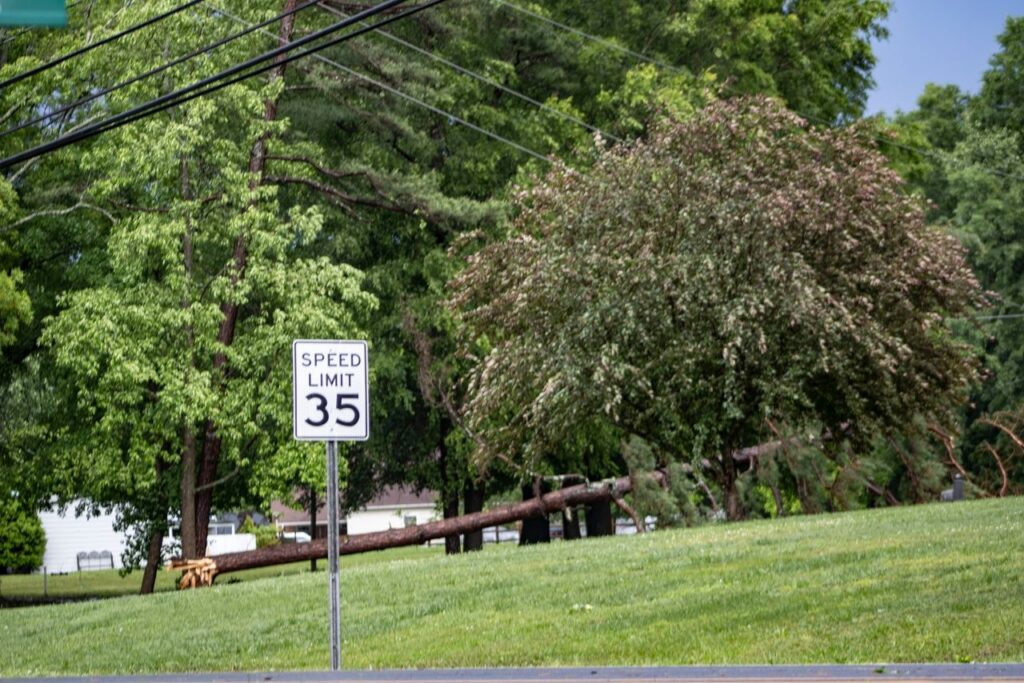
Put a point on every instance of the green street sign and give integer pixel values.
(33, 13)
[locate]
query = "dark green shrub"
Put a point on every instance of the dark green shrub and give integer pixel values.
(265, 535)
(22, 541)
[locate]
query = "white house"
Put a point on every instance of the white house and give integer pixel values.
(394, 508)
(86, 542)
(81, 543)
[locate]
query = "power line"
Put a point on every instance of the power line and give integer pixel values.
(582, 34)
(82, 50)
(152, 72)
(489, 81)
(1004, 316)
(224, 78)
(436, 110)
(415, 100)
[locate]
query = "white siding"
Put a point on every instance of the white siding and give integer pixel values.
(382, 519)
(68, 535)
(233, 543)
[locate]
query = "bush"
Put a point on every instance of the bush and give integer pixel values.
(265, 535)
(22, 541)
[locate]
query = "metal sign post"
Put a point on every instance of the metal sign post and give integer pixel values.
(333, 584)
(331, 402)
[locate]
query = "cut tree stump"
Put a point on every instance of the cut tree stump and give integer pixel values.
(196, 573)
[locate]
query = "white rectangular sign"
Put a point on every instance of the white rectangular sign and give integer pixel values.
(330, 390)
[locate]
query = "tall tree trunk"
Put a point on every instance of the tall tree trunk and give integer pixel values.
(780, 506)
(156, 541)
(449, 487)
(189, 540)
(571, 524)
(229, 308)
(204, 490)
(599, 519)
(452, 543)
(733, 510)
(187, 521)
(156, 532)
(537, 528)
(473, 501)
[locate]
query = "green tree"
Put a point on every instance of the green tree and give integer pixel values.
(986, 178)
(434, 181)
(924, 138)
(22, 540)
(735, 269)
(360, 177)
(815, 55)
(173, 357)
(1000, 104)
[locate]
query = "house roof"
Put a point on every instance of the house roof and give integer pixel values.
(390, 497)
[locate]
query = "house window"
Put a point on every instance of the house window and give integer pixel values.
(409, 520)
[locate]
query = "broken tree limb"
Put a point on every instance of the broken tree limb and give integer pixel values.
(582, 494)
(949, 444)
(627, 508)
(1002, 470)
(1005, 430)
(880, 490)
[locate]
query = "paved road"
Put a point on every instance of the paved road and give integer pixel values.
(905, 673)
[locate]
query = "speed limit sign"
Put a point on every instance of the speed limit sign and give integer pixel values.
(330, 390)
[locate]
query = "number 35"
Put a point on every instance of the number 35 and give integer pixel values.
(321, 407)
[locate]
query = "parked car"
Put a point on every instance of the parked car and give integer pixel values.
(295, 537)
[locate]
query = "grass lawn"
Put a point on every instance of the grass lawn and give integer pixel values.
(937, 583)
(109, 583)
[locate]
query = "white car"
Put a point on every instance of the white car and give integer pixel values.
(295, 537)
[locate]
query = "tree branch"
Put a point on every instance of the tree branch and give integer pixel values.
(1005, 430)
(57, 212)
(1002, 470)
(628, 509)
(947, 441)
(330, 172)
(227, 477)
(341, 199)
(879, 490)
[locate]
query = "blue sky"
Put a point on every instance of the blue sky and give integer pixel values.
(936, 41)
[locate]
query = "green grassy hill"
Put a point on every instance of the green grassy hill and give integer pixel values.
(933, 583)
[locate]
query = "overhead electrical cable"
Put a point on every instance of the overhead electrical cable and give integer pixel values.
(152, 72)
(426, 105)
(437, 110)
(484, 79)
(209, 88)
(1004, 316)
(92, 46)
(222, 79)
(601, 41)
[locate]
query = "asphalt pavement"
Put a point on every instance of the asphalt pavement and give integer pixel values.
(905, 673)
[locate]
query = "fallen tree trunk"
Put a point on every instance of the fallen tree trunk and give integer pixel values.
(556, 501)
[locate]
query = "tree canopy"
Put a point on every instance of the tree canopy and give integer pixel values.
(736, 268)
(152, 278)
